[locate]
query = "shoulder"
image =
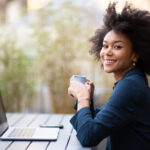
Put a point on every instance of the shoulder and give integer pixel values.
(129, 90)
(133, 83)
(133, 79)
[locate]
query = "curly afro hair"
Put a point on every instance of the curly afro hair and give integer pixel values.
(134, 24)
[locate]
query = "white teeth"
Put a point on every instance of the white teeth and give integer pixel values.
(108, 61)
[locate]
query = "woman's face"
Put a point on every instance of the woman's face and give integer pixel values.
(117, 55)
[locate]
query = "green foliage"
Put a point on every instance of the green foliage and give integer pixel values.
(60, 42)
(16, 85)
(58, 38)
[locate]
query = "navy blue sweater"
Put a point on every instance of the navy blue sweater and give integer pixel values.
(124, 119)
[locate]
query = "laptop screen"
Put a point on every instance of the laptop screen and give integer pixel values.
(3, 119)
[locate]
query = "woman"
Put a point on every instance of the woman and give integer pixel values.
(123, 46)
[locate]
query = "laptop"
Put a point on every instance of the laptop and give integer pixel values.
(24, 133)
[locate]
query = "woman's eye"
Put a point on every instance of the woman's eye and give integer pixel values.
(117, 47)
(105, 46)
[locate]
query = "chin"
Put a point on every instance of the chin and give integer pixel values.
(108, 70)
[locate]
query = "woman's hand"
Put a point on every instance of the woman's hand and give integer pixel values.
(91, 90)
(81, 92)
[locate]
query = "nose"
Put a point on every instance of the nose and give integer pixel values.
(109, 51)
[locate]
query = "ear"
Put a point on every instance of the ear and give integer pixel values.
(135, 57)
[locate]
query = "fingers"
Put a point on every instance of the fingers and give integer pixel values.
(72, 78)
(87, 80)
(89, 83)
(77, 89)
(70, 93)
(90, 87)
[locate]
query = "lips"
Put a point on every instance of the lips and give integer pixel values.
(109, 61)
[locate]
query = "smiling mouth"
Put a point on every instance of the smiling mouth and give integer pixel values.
(108, 61)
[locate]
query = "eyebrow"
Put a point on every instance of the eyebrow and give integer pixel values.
(115, 41)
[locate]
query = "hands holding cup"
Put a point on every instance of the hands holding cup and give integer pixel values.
(81, 89)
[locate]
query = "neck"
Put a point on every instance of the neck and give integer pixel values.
(119, 75)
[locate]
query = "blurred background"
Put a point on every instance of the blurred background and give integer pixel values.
(42, 44)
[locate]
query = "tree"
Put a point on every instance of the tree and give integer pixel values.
(61, 41)
(16, 77)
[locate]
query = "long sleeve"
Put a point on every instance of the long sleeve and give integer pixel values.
(93, 112)
(120, 110)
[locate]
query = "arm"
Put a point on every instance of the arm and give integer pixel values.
(94, 112)
(119, 111)
(83, 94)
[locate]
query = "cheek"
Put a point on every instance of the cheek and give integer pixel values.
(101, 54)
(125, 58)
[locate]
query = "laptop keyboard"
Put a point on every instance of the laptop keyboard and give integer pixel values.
(22, 133)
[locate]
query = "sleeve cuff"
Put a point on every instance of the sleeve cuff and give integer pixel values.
(77, 120)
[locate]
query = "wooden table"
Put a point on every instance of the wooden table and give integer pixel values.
(66, 140)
